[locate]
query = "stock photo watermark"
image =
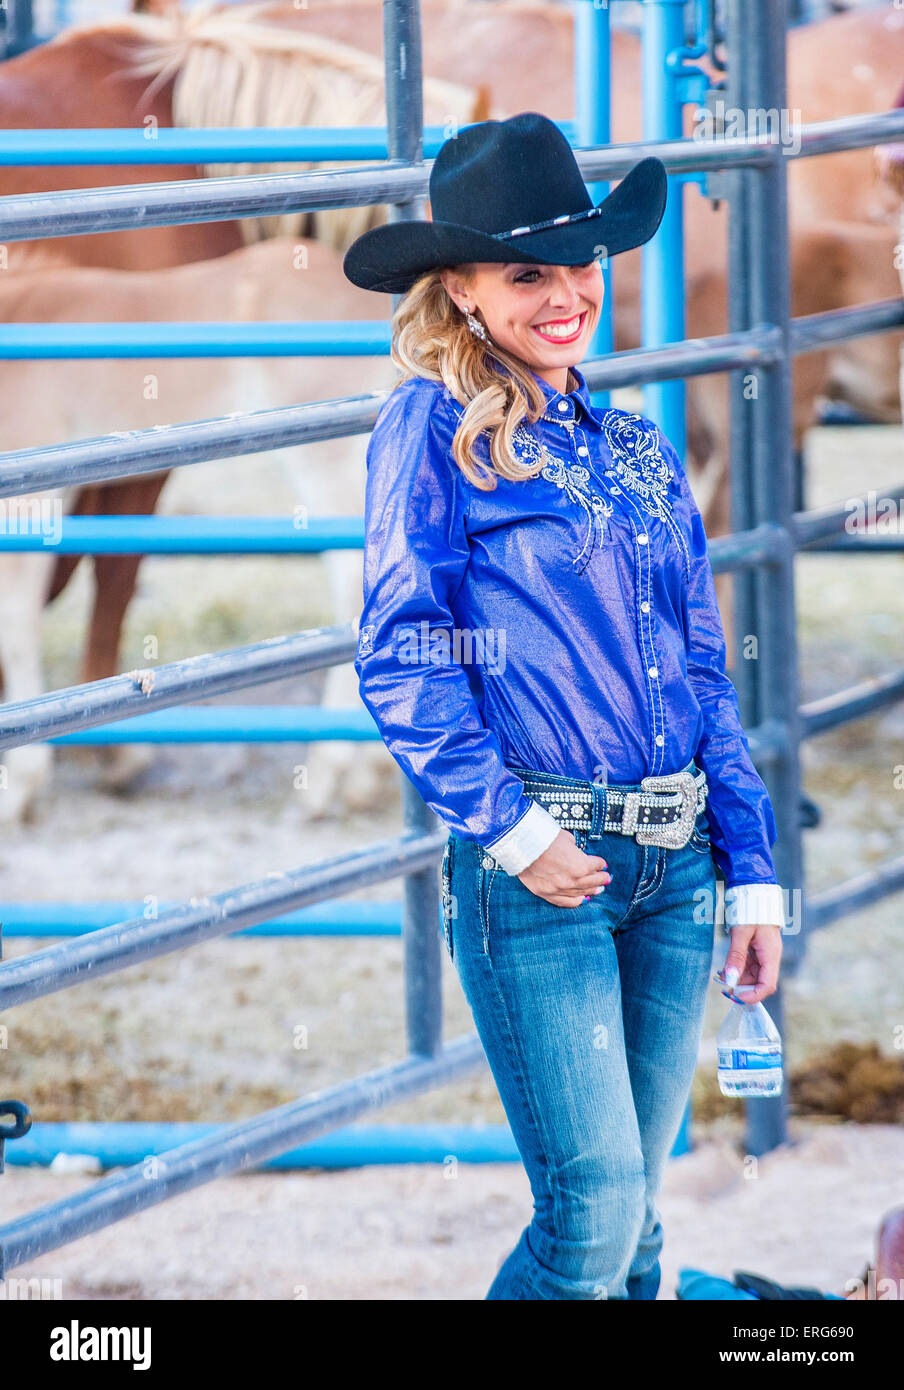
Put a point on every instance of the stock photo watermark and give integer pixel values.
(421, 644)
(772, 125)
(874, 513)
(29, 516)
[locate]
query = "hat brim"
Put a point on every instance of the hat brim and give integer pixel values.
(391, 257)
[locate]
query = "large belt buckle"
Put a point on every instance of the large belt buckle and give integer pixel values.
(676, 834)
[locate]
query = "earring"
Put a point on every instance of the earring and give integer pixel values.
(475, 325)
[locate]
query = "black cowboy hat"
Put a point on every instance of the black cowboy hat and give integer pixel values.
(510, 191)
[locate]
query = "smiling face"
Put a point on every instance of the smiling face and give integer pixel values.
(544, 314)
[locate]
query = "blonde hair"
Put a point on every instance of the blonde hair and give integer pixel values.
(431, 338)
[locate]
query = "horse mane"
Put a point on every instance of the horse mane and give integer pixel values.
(227, 68)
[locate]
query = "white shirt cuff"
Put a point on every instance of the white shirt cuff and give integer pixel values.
(749, 904)
(526, 840)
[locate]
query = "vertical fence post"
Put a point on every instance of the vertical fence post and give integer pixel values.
(761, 415)
(420, 918)
(18, 29)
(421, 937)
(592, 62)
(662, 307)
(404, 92)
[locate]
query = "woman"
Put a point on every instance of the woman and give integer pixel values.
(541, 649)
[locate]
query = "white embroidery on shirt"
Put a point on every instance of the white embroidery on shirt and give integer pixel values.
(639, 464)
(641, 468)
(575, 480)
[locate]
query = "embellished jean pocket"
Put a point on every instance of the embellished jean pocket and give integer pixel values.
(699, 838)
(487, 870)
(499, 892)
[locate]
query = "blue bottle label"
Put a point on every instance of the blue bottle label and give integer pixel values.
(739, 1059)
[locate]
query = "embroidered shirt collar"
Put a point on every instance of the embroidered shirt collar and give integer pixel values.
(573, 405)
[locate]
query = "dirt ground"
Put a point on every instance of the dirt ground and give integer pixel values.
(804, 1214)
(208, 1034)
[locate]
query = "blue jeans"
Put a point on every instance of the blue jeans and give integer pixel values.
(590, 1018)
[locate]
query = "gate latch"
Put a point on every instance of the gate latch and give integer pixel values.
(20, 1126)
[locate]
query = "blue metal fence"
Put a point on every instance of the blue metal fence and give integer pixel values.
(768, 535)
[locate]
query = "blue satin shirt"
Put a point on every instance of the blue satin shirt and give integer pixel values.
(565, 622)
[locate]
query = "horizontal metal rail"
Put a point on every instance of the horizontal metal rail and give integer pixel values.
(125, 944)
(178, 535)
(235, 1148)
(233, 724)
(812, 332)
(81, 212)
(208, 144)
(131, 452)
(822, 523)
(866, 544)
(269, 338)
(129, 207)
(158, 687)
(117, 1143)
(858, 701)
(334, 917)
(855, 894)
(848, 133)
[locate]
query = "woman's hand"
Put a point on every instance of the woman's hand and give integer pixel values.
(754, 956)
(564, 875)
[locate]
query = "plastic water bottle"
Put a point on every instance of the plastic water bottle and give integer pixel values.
(750, 1052)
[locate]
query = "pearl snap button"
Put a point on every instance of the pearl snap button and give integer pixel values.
(583, 450)
(660, 739)
(652, 671)
(644, 607)
(642, 539)
(488, 862)
(563, 405)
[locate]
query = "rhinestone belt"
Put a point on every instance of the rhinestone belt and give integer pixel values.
(662, 813)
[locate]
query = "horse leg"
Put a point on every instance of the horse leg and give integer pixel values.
(83, 501)
(115, 577)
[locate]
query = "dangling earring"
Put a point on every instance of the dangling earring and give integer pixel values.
(475, 325)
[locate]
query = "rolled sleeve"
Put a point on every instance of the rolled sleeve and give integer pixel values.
(753, 904)
(526, 841)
